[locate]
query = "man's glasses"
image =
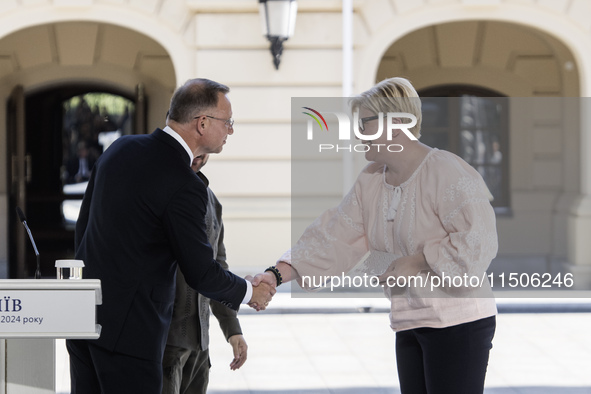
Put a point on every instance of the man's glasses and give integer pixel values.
(228, 122)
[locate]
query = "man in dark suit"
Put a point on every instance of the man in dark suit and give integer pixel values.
(186, 357)
(142, 214)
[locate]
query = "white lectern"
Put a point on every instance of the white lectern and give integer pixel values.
(33, 313)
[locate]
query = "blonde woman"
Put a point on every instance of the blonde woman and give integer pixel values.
(423, 213)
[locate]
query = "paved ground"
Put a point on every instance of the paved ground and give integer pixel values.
(312, 346)
(350, 353)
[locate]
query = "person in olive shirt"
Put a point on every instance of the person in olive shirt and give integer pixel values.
(186, 356)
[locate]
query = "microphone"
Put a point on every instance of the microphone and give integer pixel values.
(23, 219)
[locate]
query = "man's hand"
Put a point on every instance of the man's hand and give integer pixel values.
(265, 277)
(261, 295)
(285, 273)
(240, 348)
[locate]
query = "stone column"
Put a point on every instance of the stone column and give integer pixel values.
(579, 223)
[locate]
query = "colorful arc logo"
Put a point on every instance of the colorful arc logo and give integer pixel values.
(315, 118)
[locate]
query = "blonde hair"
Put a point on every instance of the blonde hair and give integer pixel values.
(391, 95)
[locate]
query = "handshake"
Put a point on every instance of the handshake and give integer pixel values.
(264, 286)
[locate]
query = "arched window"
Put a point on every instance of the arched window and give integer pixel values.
(471, 122)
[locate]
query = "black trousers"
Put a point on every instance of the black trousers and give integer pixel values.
(95, 370)
(449, 360)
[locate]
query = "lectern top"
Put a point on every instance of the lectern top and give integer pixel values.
(53, 284)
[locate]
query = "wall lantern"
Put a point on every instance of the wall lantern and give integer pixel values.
(278, 17)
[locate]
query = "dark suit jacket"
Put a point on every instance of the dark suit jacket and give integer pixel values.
(144, 211)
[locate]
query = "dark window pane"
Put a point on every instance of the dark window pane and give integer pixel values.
(479, 112)
(91, 123)
(471, 122)
(435, 112)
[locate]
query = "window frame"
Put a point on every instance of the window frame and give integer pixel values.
(501, 206)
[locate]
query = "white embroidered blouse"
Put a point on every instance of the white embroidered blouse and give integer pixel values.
(442, 210)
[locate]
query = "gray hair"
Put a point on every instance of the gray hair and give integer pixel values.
(195, 96)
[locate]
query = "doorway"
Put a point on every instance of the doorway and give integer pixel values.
(66, 129)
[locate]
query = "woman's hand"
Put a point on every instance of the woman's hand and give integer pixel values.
(405, 266)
